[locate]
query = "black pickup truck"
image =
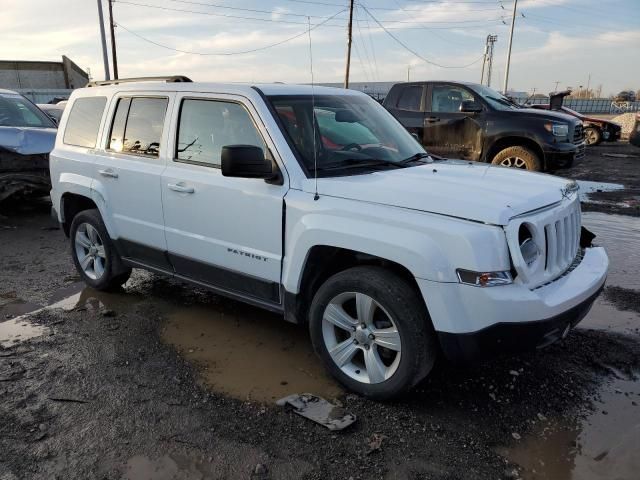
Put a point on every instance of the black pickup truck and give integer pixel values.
(474, 122)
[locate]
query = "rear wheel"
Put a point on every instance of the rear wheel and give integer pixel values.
(94, 255)
(518, 157)
(372, 331)
(592, 136)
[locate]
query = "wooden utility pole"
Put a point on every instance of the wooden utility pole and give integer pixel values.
(113, 41)
(346, 74)
(103, 38)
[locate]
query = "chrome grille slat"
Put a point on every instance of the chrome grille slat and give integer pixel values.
(562, 242)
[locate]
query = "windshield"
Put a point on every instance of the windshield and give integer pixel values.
(17, 111)
(497, 100)
(350, 130)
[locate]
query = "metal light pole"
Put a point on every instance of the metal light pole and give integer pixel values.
(506, 71)
(346, 74)
(105, 55)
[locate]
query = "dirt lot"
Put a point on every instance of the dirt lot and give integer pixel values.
(166, 381)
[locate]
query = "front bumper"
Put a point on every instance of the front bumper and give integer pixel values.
(563, 155)
(474, 322)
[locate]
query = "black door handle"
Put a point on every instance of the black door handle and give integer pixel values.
(432, 119)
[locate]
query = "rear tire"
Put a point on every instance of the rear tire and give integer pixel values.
(518, 157)
(372, 331)
(592, 136)
(94, 254)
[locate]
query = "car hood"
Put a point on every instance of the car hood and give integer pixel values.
(467, 190)
(26, 140)
(551, 115)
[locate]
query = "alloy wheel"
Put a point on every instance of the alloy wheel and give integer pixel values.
(514, 162)
(590, 136)
(90, 251)
(361, 337)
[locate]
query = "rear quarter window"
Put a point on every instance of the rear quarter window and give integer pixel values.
(410, 98)
(84, 121)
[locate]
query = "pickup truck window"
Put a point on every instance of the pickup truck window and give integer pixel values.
(348, 129)
(448, 98)
(208, 125)
(84, 122)
(137, 125)
(410, 98)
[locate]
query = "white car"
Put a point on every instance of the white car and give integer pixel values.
(317, 204)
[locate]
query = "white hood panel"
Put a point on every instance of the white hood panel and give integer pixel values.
(468, 190)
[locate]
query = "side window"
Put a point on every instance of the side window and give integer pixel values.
(448, 98)
(137, 125)
(410, 98)
(84, 121)
(208, 125)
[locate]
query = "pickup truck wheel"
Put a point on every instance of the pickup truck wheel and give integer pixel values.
(518, 157)
(93, 253)
(592, 136)
(372, 332)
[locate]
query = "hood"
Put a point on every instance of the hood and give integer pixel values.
(27, 141)
(551, 115)
(467, 190)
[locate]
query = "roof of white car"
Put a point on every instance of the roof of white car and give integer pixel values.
(246, 89)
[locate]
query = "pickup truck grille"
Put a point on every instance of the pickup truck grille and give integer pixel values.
(578, 135)
(562, 241)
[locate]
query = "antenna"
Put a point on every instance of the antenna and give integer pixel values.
(313, 115)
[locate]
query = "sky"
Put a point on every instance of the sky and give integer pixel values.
(572, 42)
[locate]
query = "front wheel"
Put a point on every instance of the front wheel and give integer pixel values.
(372, 331)
(592, 136)
(518, 157)
(94, 255)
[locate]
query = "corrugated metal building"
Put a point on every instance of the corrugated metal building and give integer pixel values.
(42, 81)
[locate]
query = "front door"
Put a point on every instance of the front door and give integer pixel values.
(448, 132)
(221, 231)
(127, 176)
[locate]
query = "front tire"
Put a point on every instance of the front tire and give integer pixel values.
(592, 136)
(518, 157)
(94, 255)
(372, 331)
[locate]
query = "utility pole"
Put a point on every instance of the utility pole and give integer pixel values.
(557, 83)
(346, 74)
(113, 41)
(105, 55)
(491, 39)
(588, 84)
(408, 70)
(506, 71)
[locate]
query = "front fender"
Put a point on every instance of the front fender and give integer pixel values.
(429, 246)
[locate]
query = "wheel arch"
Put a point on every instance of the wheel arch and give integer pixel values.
(515, 141)
(324, 261)
(70, 205)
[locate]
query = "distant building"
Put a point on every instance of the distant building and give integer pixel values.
(42, 81)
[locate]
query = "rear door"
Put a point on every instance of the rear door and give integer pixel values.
(225, 232)
(407, 105)
(128, 172)
(448, 131)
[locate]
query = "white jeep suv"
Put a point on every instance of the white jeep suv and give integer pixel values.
(317, 204)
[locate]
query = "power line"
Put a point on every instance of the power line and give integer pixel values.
(410, 50)
(313, 27)
(254, 10)
(270, 20)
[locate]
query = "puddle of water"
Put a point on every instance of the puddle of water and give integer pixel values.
(605, 316)
(18, 330)
(249, 353)
(602, 446)
(16, 308)
(587, 187)
(164, 468)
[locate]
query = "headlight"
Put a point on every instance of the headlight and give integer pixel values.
(484, 279)
(557, 129)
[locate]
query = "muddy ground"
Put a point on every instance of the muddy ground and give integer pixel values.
(166, 381)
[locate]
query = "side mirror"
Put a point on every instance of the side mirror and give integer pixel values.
(247, 161)
(470, 106)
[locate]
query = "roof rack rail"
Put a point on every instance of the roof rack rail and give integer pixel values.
(171, 79)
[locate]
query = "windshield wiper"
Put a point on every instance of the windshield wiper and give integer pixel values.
(361, 163)
(414, 158)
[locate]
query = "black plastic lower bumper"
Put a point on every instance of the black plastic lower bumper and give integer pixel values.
(512, 337)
